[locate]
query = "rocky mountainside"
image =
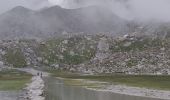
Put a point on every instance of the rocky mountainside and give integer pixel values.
(22, 22)
(82, 40)
(87, 53)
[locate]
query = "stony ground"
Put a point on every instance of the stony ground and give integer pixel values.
(35, 89)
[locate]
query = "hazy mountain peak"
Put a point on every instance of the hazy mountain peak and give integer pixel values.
(20, 9)
(53, 9)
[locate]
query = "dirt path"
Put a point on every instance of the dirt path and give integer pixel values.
(35, 89)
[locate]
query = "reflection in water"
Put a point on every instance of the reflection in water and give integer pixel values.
(56, 90)
(5, 95)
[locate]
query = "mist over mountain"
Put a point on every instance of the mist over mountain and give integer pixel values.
(88, 16)
(6, 5)
(23, 22)
(139, 10)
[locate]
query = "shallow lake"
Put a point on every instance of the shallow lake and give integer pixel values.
(12, 95)
(56, 90)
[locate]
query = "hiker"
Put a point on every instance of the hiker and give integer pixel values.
(41, 74)
(38, 73)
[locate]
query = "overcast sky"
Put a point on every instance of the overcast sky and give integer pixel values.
(158, 10)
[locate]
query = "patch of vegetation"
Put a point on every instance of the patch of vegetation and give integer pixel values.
(61, 73)
(13, 80)
(137, 45)
(132, 63)
(15, 58)
(157, 82)
(83, 83)
(119, 47)
(73, 50)
(70, 78)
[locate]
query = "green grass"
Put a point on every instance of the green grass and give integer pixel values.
(146, 81)
(131, 63)
(138, 45)
(83, 83)
(61, 73)
(13, 80)
(157, 82)
(15, 57)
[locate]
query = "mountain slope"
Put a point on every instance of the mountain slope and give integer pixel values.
(22, 22)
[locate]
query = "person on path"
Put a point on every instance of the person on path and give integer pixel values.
(38, 73)
(41, 74)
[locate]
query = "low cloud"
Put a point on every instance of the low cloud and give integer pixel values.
(6, 5)
(143, 10)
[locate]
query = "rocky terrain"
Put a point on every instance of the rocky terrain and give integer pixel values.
(91, 39)
(87, 53)
(35, 89)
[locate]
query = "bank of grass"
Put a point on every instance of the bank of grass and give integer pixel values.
(146, 81)
(83, 83)
(13, 80)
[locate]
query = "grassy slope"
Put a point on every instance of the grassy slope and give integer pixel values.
(147, 81)
(13, 80)
(157, 82)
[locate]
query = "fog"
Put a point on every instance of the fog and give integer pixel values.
(142, 10)
(6, 5)
(149, 9)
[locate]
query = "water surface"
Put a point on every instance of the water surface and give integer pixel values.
(9, 95)
(56, 90)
